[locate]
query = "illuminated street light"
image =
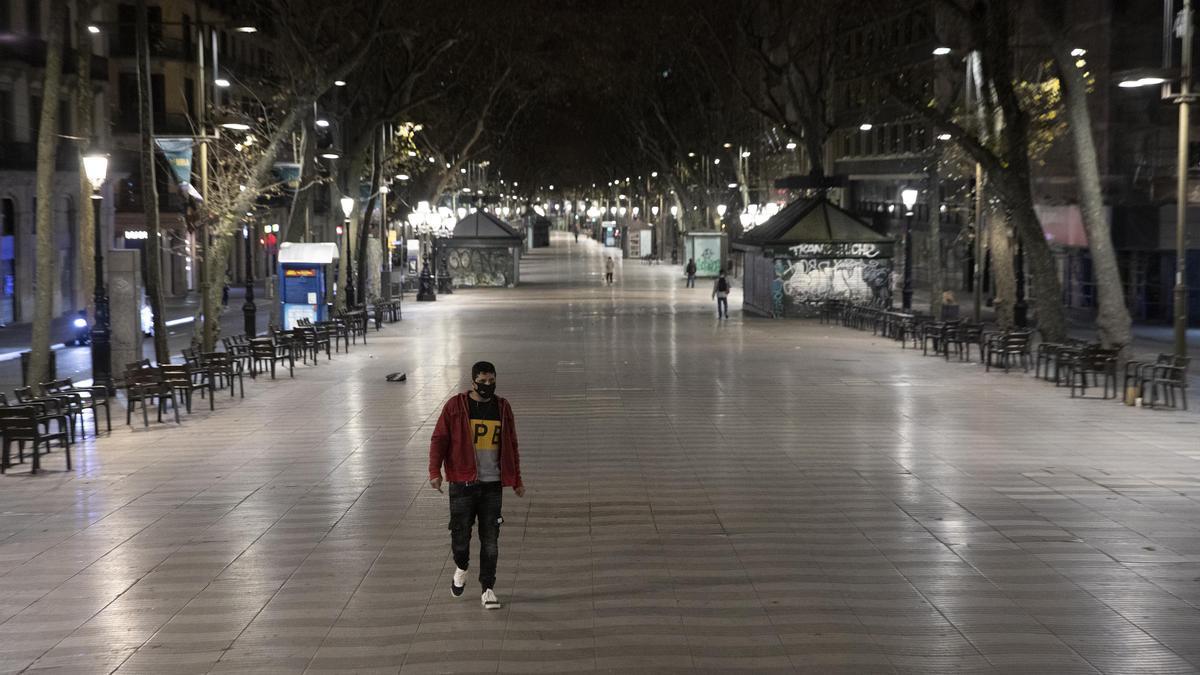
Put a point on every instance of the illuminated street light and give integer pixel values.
(941, 51)
(866, 126)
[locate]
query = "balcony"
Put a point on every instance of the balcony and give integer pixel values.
(160, 48)
(165, 124)
(31, 51)
(23, 157)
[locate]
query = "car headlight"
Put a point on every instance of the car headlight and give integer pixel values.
(81, 322)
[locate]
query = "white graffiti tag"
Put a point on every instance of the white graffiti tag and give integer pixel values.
(856, 280)
(835, 250)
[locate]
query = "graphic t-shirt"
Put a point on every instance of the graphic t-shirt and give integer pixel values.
(485, 435)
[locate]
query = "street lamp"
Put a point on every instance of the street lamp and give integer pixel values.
(95, 167)
(347, 204)
(909, 197)
(1183, 29)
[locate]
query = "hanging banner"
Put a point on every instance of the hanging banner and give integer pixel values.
(178, 152)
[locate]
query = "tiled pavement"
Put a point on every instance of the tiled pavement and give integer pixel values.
(740, 495)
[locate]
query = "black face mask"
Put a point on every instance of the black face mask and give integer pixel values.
(485, 391)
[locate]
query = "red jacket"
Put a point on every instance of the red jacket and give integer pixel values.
(451, 444)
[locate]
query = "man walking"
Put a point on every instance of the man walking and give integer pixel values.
(476, 440)
(721, 293)
(690, 270)
(608, 270)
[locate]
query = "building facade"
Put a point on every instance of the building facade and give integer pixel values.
(22, 72)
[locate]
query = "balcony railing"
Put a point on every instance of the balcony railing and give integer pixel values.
(31, 51)
(23, 157)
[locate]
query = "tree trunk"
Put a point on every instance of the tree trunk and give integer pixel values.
(217, 257)
(150, 189)
(364, 225)
(45, 273)
(1017, 195)
(1004, 280)
(937, 275)
(84, 101)
(1112, 319)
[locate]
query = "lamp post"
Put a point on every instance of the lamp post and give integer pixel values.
(1183, 30)
(249, 309)
(347, 209)
(1185, 102)
(909, 197)
(95, 167)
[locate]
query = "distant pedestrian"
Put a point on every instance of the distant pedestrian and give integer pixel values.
(225, 294)
(721, 293)
(608, 270)
(690, 270)
(576, 231)
(476, 440)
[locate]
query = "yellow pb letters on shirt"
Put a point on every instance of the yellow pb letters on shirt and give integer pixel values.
(485, 434)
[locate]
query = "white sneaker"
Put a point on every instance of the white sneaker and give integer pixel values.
(459, 584)
(489, 600)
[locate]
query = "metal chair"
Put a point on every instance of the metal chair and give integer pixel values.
(86, 398)
(1173, 379)
(223, 370)
(147, 384)
(23, 423)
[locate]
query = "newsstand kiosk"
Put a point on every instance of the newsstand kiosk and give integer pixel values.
(302, 268)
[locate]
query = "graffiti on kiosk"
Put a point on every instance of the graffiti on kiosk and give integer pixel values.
(836, 250)
(480, 267)
(708, 261)
(857, 279)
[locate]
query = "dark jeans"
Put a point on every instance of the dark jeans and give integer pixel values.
(691, 281)
(467, 502)
(723, 307)
(608, 277)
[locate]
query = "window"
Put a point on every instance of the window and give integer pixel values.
(189, 97)
(35, 117)
(127, 119)
(33, 17)
(64, 117)
(7, 128)
(187, 37)
(126, 43)
(8, 218)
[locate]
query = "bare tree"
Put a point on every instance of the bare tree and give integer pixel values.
(149, 189)
(1005, 149)
(784, 64)
(84, 102)
(320, 43)
(1113, 319)
(47, 144)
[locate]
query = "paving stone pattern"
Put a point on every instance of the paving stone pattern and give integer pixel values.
(703, 495)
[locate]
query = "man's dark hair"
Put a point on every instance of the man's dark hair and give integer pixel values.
(482, 367)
